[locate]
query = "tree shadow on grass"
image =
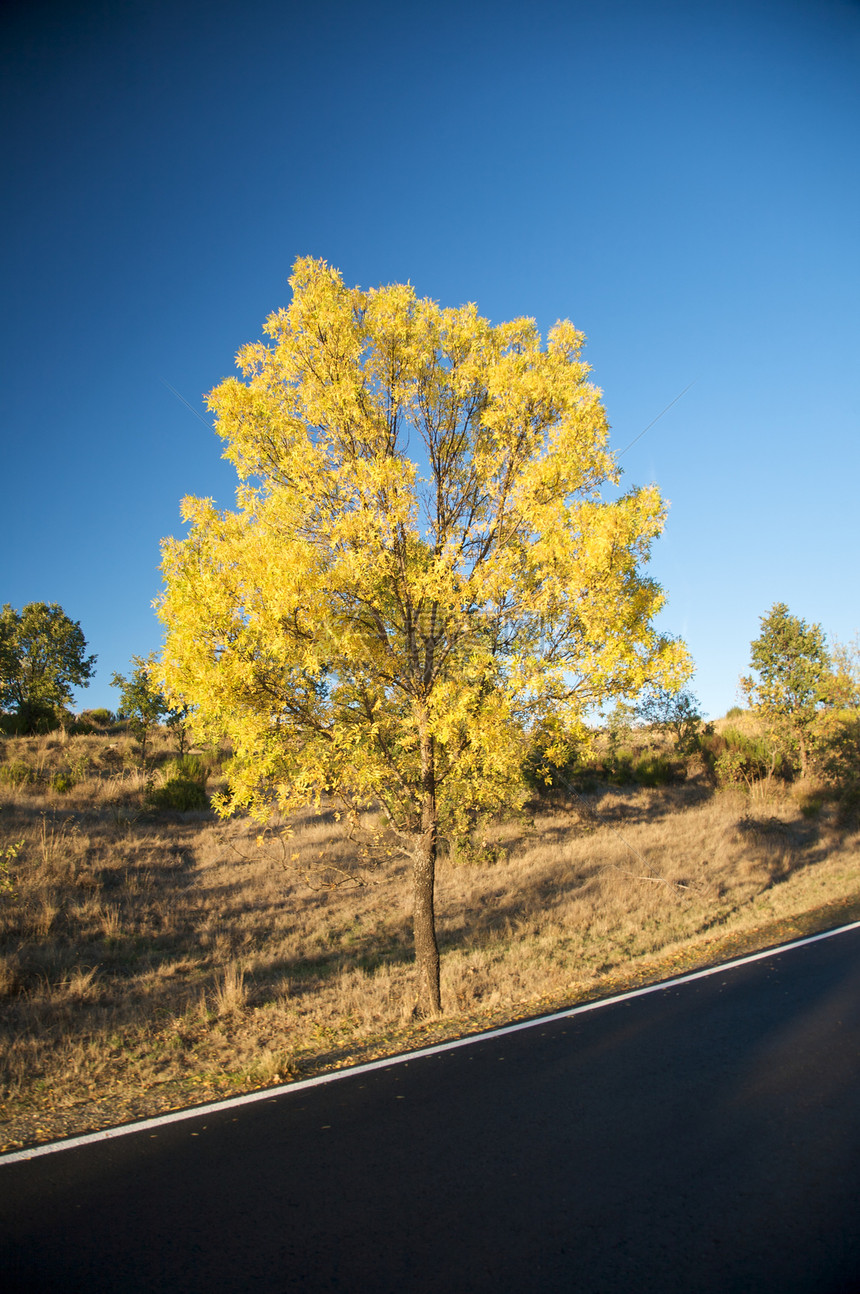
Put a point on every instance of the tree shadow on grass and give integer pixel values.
(611, 805)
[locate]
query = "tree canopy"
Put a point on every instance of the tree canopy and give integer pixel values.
(793, 679)
(42, 657)
(142, 703)
(421, 571)
(677, 712)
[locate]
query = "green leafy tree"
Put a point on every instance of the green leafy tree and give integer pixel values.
(845, 658)
(675, 712)
(178, 721)
(792, 681)
(142, 703)
(837, 730)
(42, 658)
(421, 570)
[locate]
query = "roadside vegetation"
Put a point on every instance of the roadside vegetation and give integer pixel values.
(152, 955)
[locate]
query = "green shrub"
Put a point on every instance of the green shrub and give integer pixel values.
(102, 716)
(186, 768)
(587, 782)
(656, 770)
(184, 786)
(17, 773)
(840, 750)
(735, 712)
(756, 749)
(619, 769)
(711, 747)
(92, 721)
(848, 805)
(34, 718)
(62, 783)
(180, 794)
(748, 760)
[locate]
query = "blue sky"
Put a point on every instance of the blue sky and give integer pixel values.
(682, 179)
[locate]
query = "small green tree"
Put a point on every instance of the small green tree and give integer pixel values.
(751, 761)
(42, 657)
(793, 681)
(178, 720)
(845, 658)
(837, 730)
(675, 712)
(142, 702)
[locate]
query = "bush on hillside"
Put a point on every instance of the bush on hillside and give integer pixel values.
(17, 773)
(839, 756)
(180, 795)
(184, 787)
(746, 760)
(657, 770)
(92, 721)
(189, 768)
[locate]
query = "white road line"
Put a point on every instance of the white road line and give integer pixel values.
(269, 1093)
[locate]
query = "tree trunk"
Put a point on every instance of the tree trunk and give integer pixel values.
(423, 886)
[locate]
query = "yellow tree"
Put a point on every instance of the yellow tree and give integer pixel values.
(420, 572)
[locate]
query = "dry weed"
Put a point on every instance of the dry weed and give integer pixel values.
(230, 994)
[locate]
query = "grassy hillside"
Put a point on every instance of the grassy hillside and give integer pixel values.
(152, 958)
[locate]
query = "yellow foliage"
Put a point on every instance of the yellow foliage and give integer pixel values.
(421, 568)
(420, 555)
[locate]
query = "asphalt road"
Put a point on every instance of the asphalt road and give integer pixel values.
(703, 1138)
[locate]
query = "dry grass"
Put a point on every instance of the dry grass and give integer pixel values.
(150, 960)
